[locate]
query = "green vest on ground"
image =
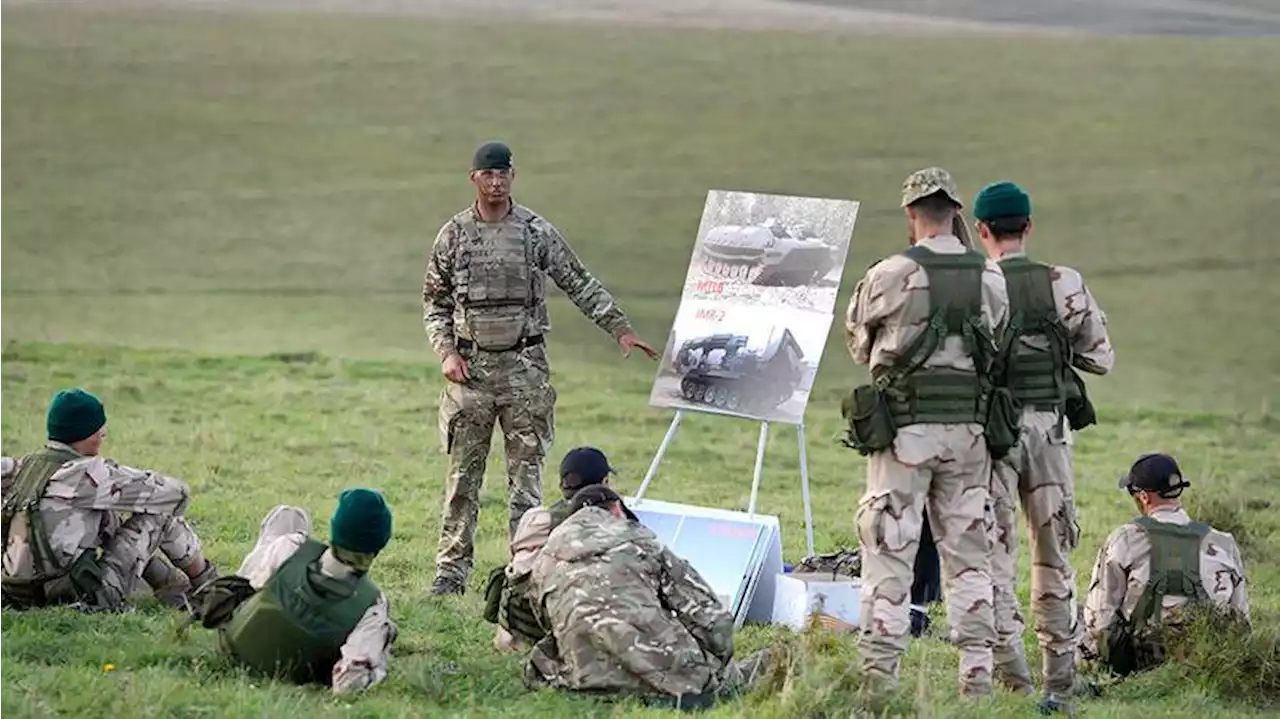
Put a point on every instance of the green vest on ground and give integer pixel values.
(51, 582)
(1126, 645)
(917, 394)
(295, 626)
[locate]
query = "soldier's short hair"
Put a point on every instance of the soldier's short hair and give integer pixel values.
(1009, 227)
(937, 207)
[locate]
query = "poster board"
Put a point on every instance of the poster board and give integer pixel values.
(739, 555)
(757, 304)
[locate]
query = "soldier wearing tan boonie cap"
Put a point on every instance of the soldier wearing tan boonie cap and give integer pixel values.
(923, 183)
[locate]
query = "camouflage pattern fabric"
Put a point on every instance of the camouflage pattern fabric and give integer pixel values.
(627, 615)
(1124, 565)
(366, 653)
(82, 509)
(1038, 471)
(944, 466)
(511, 388)
(923, 183)
(844, 563)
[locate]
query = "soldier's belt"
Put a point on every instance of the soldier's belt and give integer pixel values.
(466, 344)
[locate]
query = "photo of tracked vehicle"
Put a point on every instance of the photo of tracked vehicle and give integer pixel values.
(721, 371)
(767, 254)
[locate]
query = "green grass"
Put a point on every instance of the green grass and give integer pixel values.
(186, 194)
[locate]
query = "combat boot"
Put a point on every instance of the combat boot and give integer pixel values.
(447, 585)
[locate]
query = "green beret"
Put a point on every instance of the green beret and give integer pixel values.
(74, 414)
(361, 523)
(492, 156)
(1001, 199)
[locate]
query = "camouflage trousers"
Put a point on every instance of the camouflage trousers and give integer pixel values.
(1039, 470)
(512, 390)
(150, 552)
(945, 467)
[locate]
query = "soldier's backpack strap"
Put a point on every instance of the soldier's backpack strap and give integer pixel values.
(1175, 567)
(25, 496)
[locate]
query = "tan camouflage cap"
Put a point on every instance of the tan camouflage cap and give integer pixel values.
(923, 183)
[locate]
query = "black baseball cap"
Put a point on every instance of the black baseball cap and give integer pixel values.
(587, 464)
(1157, 473)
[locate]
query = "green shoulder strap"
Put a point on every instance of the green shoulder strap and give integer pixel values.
(28, 489)
(955, 308)
(1175, 567)
(559, 512)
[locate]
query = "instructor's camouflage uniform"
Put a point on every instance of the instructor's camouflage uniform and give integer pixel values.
(943, 465)
(1038, 471)
(626, 615)
(81, 510)
(484, 296)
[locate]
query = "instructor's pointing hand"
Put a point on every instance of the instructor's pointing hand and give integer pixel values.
(455, 368)
(631, 340)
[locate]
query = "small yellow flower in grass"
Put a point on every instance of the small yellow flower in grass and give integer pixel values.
(108, 668)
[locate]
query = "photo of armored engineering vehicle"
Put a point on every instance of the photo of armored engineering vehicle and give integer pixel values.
(721, 371)
(767, 254)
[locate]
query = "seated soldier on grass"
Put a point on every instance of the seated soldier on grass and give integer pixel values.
(626, 617)
(507, 603)
(64, 538)
(1151, 568)
(304, 611)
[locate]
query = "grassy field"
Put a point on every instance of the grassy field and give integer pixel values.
(218, 222)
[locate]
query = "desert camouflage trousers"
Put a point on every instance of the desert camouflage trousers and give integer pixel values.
(945, 467)
(513, 390)
(150, 551)
(1039, 471)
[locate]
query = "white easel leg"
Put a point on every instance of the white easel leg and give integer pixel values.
(755, 480)
(804, 488)
(657, 458)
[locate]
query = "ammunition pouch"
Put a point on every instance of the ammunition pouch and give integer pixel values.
(506, 605)
(1126, 650)
(871, 427)
(80, 582)
(217, 601)
(1079, 410)
(1003, 426)
(937, 397)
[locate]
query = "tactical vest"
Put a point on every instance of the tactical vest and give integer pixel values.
(917, 394)
(295, 626)
(49, 582)
(515, 612)
(1038, 379)
(494, 280)
(1126, 645)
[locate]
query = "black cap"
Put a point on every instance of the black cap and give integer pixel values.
(1157, 473)
(588, 465)
(599, 496)
(492, 156)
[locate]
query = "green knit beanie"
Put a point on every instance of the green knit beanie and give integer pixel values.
(362, 521)
(1001, 199)
(74, 414)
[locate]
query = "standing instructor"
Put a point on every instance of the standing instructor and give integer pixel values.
(485, 312)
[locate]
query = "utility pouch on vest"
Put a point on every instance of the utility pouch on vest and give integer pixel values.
(80, 582)
(1002, 427)
(871, 425)
(516, 613)
(493, 594)
(1079, 410)
(1118, 651)
(498, 329)
(217, 601)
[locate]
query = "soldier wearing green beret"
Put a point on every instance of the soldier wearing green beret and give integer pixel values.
(485, 313)
(64, 540)
(307, 610)
(1055, 327)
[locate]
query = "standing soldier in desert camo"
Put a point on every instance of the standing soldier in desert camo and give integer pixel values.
(1055, 327)
(485, 312)
(925, 320)
(64, 539)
